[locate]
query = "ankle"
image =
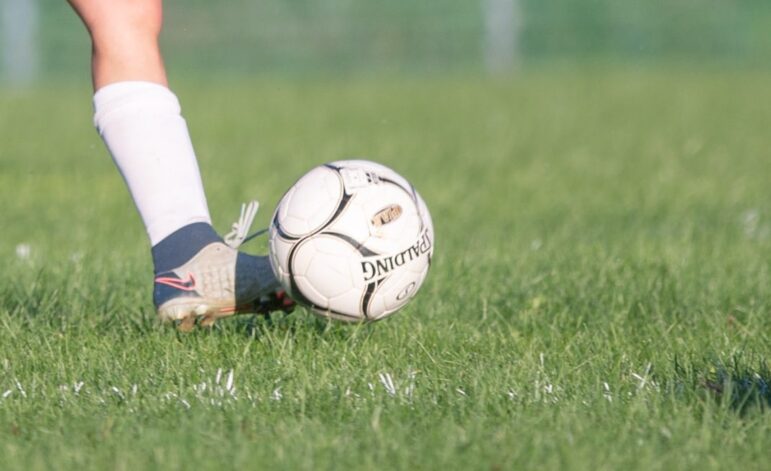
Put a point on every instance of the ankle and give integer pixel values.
(182, 245)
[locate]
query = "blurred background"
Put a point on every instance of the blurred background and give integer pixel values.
(204, 39)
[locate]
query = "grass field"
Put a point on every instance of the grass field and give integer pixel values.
(600, 298)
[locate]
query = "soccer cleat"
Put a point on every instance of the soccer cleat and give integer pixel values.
(219, 281)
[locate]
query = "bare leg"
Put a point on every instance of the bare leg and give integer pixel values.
(124, 36)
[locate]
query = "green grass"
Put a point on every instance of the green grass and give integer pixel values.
(600, 298)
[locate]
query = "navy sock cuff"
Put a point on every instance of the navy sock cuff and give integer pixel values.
(182, 245)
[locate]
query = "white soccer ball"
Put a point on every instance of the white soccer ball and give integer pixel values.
(352, 240)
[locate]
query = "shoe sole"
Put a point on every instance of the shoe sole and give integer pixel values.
(187, 314)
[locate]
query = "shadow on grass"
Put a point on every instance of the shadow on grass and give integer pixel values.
(741, 387)
(744, 392)
(298, 323)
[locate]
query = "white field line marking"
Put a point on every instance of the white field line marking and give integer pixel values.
(388, 383)
(229, 382)
(20, 388)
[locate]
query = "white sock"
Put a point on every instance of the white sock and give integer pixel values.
(144, 131)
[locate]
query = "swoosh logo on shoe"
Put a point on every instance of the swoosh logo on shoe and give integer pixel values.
(178, 283)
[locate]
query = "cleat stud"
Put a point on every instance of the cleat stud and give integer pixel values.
(187, 324)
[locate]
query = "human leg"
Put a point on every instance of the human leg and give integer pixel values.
(124, 36)
(197, 275)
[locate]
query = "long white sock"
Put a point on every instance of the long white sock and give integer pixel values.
(144, 131)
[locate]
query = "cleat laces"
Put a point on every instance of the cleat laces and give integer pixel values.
(239, 232)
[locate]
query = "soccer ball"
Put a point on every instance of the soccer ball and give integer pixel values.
(352, 240)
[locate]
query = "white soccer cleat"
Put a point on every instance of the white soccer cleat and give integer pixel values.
(219, 281)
